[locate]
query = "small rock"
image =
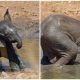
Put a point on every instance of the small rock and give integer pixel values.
(4, 75)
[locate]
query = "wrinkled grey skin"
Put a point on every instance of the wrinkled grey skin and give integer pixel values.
(9, 35)
(60, 38)
(15, 61)
(9, 30)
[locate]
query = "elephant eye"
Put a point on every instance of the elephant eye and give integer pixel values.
(8, 32)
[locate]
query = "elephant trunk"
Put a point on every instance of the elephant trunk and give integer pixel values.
(19, 42)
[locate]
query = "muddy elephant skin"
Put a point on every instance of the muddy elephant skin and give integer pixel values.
(15, 61)
(8, 30)
(60, 38)
(9, 35)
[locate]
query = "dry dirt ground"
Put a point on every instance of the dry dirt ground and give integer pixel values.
(69, 8)
(25, 16)
(18, 9)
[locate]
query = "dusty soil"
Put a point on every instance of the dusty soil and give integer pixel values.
(70, 8)
(28, 74)
(18, 9)
(25, 16)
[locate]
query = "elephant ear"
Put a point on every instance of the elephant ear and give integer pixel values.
(7, 16)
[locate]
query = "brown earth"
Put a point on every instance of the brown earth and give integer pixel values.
(70, 8)
(18, 9)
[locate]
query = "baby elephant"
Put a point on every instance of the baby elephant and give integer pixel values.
(9, 35)
(60, 39)
(15, 61)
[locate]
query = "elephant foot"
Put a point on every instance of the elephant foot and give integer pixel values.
(4, 67)
(71, 63)
(45, 60)
(22, 65)
(14, 67)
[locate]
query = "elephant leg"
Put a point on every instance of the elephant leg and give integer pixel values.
(47, 54)
(16, 62)
(3, 53)
(72, 61)
(50, 57)
(13, 60)
(22, 64)
(1, 68)
(66, 48)
(45, 60)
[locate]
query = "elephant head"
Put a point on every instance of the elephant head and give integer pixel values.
(8, 30)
